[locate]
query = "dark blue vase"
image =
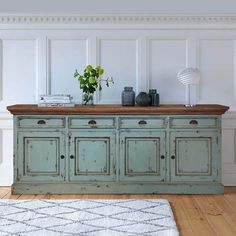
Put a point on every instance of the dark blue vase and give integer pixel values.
(154, 98)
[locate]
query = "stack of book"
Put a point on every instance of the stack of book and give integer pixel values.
(58, 100)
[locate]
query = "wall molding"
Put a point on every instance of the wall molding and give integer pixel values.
(137, 76)
(1, 70)
(6, 121)
(118, 18)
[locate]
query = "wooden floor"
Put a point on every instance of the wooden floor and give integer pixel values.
(198, 215)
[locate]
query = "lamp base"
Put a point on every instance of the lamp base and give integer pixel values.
(190, 105)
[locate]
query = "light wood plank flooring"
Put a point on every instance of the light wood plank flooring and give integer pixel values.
(194, 214)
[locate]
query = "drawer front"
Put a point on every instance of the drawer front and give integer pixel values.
(92, 122)
(142, 122)
(192, 122)
(41, 122)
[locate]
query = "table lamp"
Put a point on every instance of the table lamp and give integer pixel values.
(188, 77)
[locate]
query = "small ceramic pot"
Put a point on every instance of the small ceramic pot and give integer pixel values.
(143, 99)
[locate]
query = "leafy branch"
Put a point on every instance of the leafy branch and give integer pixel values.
(90, 80)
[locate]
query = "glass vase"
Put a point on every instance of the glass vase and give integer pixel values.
(128, 97)
(87, 98)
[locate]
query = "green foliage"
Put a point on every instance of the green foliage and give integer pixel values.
(90, 80)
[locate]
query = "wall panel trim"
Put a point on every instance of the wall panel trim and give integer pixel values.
(196, 20)
(6, 121)
(117, 18)
(234, 70)
(49, 41)
(1, 70)
(138, 84)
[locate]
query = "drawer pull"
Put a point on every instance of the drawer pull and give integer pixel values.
(193, 122)
(71, 157)
(41, 122)
(142, 122)
(173, 157)
(92, 122)
(62, 156)
(162, 157)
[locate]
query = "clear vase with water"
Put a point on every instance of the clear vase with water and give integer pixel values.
(87, 98)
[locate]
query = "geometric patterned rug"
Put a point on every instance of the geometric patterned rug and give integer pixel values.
(90, 217)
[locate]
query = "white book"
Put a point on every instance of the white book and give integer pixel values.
(56, 105)
(56, 95)
(55, 98)
(53, 101)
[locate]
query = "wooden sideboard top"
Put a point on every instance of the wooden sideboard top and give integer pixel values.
(115, 109)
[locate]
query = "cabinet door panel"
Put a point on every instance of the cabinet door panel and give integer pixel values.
(196, 151)
(141, 156)
(93, 156)
(44, 149)
(39, 156)
(195, 156)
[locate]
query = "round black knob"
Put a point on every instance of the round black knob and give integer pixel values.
(71, 157)
(172, 157)
(62, 156)
(162, 157)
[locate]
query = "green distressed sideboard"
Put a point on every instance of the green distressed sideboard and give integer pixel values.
(110, 149)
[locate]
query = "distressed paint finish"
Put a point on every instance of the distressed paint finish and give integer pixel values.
(142, 156)
(195, 156)
(141, 122)
(114, 153)
(41, 122)
(191, 122)
(196, 151)
(117, 188)
(92, 155)
(39, 156)
(91, 122)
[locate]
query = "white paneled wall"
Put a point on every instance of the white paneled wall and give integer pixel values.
(64, 56)
(218, 67)
(41, 59)
(166, 58)
(119, 57)
(19, 69)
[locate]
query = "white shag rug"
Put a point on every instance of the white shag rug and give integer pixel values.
(90, 217)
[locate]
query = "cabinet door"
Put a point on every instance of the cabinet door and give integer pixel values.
(92, 155)
(40, 156)
(142, 155)
(195, 156)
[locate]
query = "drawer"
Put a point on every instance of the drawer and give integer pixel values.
(142, 122)
(192, 122)
(41, 122)
(92, 122)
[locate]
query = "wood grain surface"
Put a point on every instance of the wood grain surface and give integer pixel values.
(114, 109)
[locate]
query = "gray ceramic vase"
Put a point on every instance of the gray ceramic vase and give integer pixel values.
(143, 99)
